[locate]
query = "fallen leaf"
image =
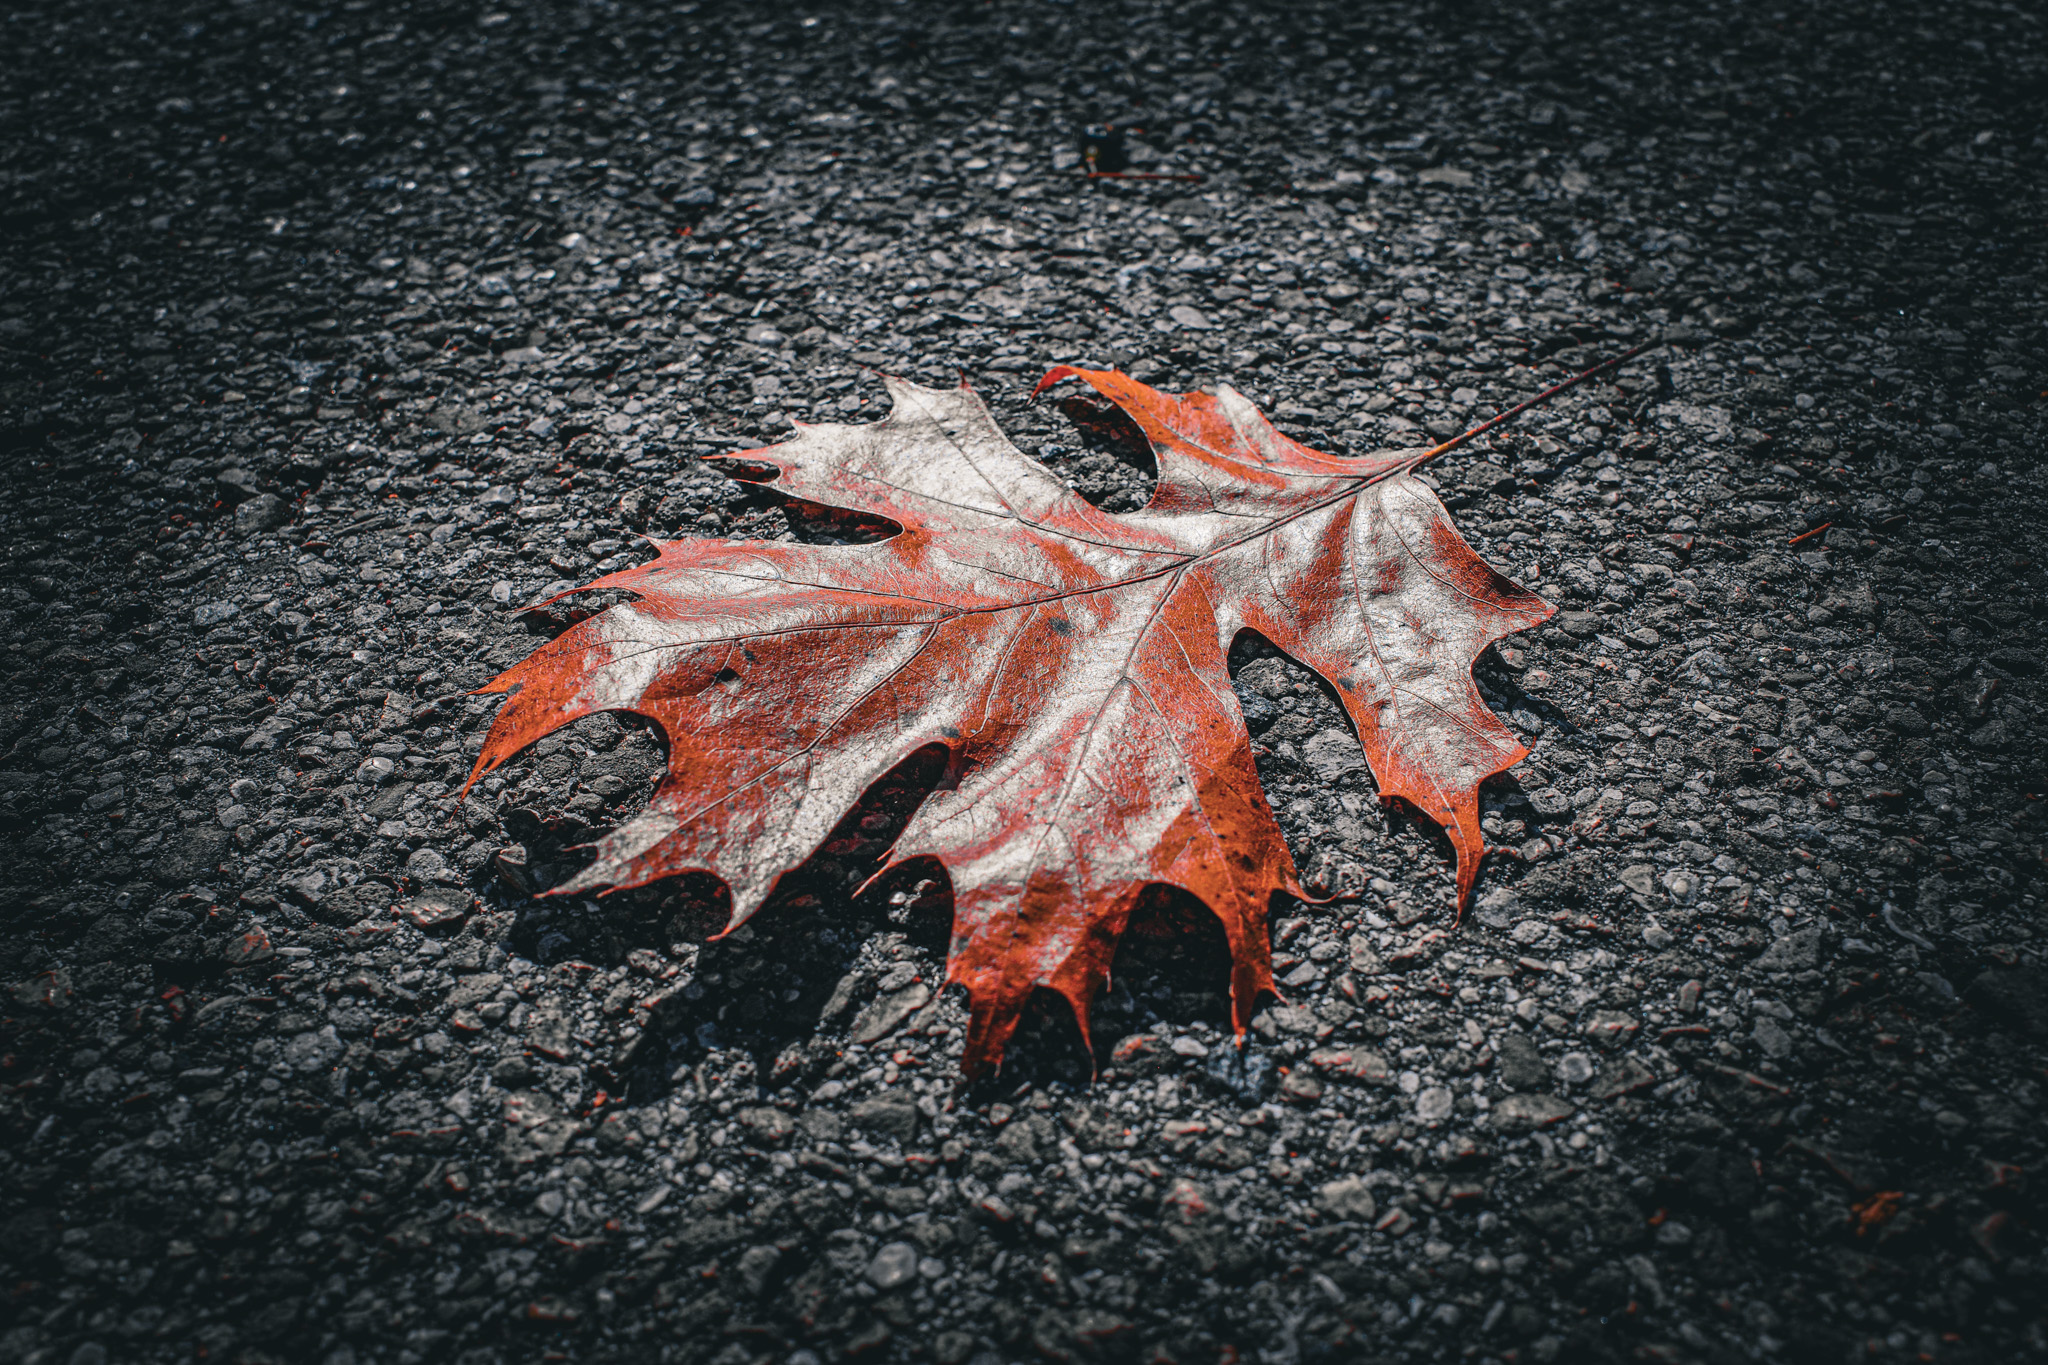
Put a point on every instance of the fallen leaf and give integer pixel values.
(1071, 662)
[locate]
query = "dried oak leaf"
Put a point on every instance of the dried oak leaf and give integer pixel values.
(1072, 662)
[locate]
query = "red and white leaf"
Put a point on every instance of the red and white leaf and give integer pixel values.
(1071, 661)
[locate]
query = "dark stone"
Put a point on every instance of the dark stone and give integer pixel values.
(1554, 1218)
(1521, 1066)
(1621, 1076)
(1722, 1180)
(190, 856)
(1581, 624)
(702, 1237)
(264, 512)
(514, 1072)
(766, 1126)
(886, 1117)
(440, 909)
(2016, 996)
(1905, 720)
(353, 904)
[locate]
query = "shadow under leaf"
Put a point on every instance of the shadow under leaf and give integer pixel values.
(763, 988)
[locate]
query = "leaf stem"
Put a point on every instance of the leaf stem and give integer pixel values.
(1518, 409)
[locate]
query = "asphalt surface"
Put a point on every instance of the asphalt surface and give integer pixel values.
(331, 338)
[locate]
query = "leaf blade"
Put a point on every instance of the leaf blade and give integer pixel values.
(1073, 664)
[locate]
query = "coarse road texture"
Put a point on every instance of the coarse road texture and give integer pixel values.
(331, 336)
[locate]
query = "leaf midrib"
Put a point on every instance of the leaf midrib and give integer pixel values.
(1175, 563)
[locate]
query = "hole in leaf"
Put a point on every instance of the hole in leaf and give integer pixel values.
(1102, 453)
(817, 525)
(1173, 965)
(1046, 1048)
(552, 618)
(810, 522)
(1312, 767)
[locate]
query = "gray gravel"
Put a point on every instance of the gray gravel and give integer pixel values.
(330, 339)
